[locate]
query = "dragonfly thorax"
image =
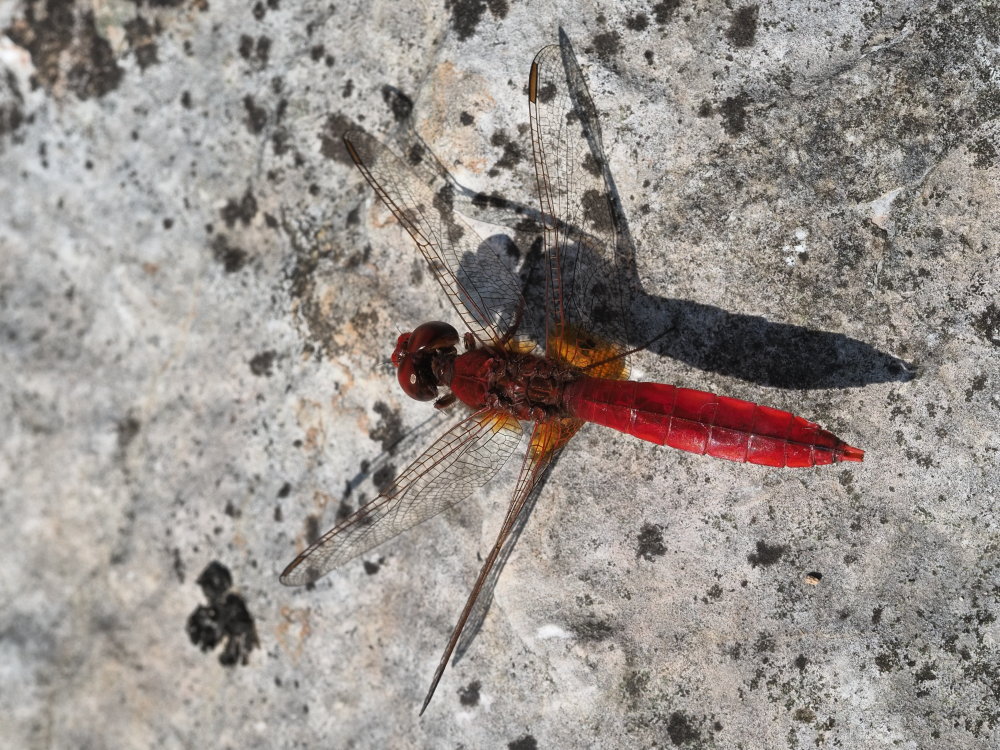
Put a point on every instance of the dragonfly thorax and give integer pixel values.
(424, 358)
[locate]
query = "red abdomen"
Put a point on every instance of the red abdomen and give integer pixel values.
(704, 423)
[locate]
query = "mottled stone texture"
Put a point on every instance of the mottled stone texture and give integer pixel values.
(198, 297)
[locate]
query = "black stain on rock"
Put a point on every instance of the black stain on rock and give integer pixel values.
(664, 12)
(742, 29)
(765, 556)
(243, 210)
(987, 325)
(650, 542)
(986, 153)
(256, 116)
(371, 568)
(231, 257)
(141, 36)
(332, 138)
(466, 14)
(11, 104)
(128, 428)
(524, 742)
(512, 153)
(681, 730)
(383, 476)
(261, 364)
(389, 429)
(638, 22)
(399, 103)
(469, 695)
(66, 48)
(225, 619)
(607, 44)
(734, 114)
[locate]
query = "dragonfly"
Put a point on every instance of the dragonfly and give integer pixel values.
(511, 386)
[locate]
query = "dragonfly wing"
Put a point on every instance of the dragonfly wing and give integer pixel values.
(479, 286)
(547, 440)
(587, 274)
(465, 457)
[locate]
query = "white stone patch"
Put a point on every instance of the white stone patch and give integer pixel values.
(793, 252)
(552, 631)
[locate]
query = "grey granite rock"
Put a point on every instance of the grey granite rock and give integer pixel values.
(198, 296)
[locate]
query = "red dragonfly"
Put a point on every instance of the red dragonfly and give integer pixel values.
(504, 379)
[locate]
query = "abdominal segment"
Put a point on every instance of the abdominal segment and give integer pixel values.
(707, 424)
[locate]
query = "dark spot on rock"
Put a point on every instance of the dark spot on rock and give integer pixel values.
(256, 116)
(382, 476)
(261, 364)
(987, 325)
(399, 103)
(985, 151)
(332, 138)
(648, 54)
(978, 383)
(278, 515)
(317, 52)
(663, 12)
(141, 37)
(232, 511)
(389, 429)
(743, 26)
(466, 119)
(886, 662)
(66, 48)
(244, 210)
(766, 556)
(597, 210)
(607, 44)
(638, 22)
(469, 695)
(246, 46)
(285, 490)
(11, 104)
(348, 88)
(232, 258)
(128, 428)
(650, 543)
(371, 568)
(876, 615)
(512, 152)
(498, 8)
(801, 662)
(312, 529)
(804, 715)
(734, 114)
(591, 164)
(466, 14)
(546, 93)
(925, 674)
(680, 730)
(593, 630)
(524, 742)
(178, 565)
(186, 99)
(168, 223)
(259, 11)
(225, 619)
(705, 108)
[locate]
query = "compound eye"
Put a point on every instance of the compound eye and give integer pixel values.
(433, 335)
(412, 383)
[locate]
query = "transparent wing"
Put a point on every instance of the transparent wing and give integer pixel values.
(547, 440)
(586, 280)
(479, 286)
(464, 458)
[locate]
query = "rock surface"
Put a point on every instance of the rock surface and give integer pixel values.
(198, 296)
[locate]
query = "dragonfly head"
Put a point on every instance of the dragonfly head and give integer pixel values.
(416, 354)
